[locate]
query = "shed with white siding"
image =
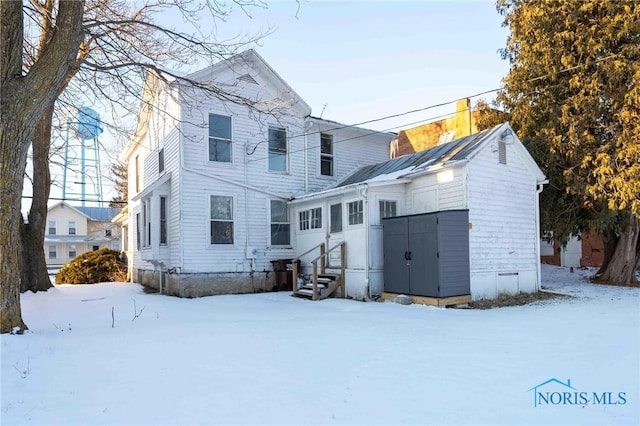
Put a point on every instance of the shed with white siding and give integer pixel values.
(490, 174)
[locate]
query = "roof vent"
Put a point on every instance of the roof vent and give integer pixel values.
(247, 79)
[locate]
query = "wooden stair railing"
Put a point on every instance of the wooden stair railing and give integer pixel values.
(322, 257)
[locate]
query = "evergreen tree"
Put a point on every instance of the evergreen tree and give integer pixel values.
(572, 96)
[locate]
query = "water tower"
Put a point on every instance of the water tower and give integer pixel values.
(82, 136)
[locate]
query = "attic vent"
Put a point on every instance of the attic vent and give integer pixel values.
(446, 137)
(247, 79)
(502, 152)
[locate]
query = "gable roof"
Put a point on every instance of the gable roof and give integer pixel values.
(254, 60)
(441, 156)
(91, 213)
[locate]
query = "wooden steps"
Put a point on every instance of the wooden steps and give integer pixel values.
(327, 285)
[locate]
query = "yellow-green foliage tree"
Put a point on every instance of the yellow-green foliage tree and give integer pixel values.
(572, 95)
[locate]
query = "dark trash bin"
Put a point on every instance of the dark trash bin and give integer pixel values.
(283, 268)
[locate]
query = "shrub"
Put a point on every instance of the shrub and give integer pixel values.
(93, 267)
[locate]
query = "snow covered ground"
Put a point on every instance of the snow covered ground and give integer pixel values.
(274, 359)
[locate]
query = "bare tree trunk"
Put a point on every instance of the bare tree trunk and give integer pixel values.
(12, 167)
(24, 99)
(622, 266)
(610, 239)
(35, 276)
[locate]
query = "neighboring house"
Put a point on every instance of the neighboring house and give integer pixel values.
(489, 174)
(462, 123)
(73, 230)
(588, 250)
(210, 180)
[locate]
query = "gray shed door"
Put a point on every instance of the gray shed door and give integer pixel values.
(396, 267)
(423, 246)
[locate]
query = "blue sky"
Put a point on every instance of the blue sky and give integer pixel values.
(361, 60)
(356, 61)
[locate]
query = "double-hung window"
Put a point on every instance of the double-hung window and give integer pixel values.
(138, 232)
(72, 252)
(53, 252)
(277, 149)
(310, 219)
(280, 227)
(52, 227)
(219, 138)
(355, 209)
(163, 220)
(146, 223)
(161, 161)
(326, 154)
(221, 219)
(72, 227)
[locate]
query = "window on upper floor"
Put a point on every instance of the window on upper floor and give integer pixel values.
(72, 227)
(219, 138)
(52, 230)
(356, 216)
(221, 214)
(161, 161)
(326, 154)
(310, 219)
(277, 149)
(388, 209)
(163, 220)
(336, 218)
(280, 227)
(107, 232)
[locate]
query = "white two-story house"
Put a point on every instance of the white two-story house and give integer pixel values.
(74, 230)
(211, 176)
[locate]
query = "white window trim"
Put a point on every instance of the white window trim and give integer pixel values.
(55, 226)
(329, 205)
(387, 199)
(206, 151)
(55, 252)
(364, 214)
(291, 225)
(332, 155)
(75, 227)
(310, 209)
(234, 206)
(287, 159)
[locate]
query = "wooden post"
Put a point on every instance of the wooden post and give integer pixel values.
(322, 258)
(294, 285)
(315, 280)
(343, 261)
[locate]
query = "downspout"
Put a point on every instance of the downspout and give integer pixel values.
(307, 128)
(539, 277)
(364, 192)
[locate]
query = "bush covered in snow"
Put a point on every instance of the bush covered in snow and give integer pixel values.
(93, 267)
